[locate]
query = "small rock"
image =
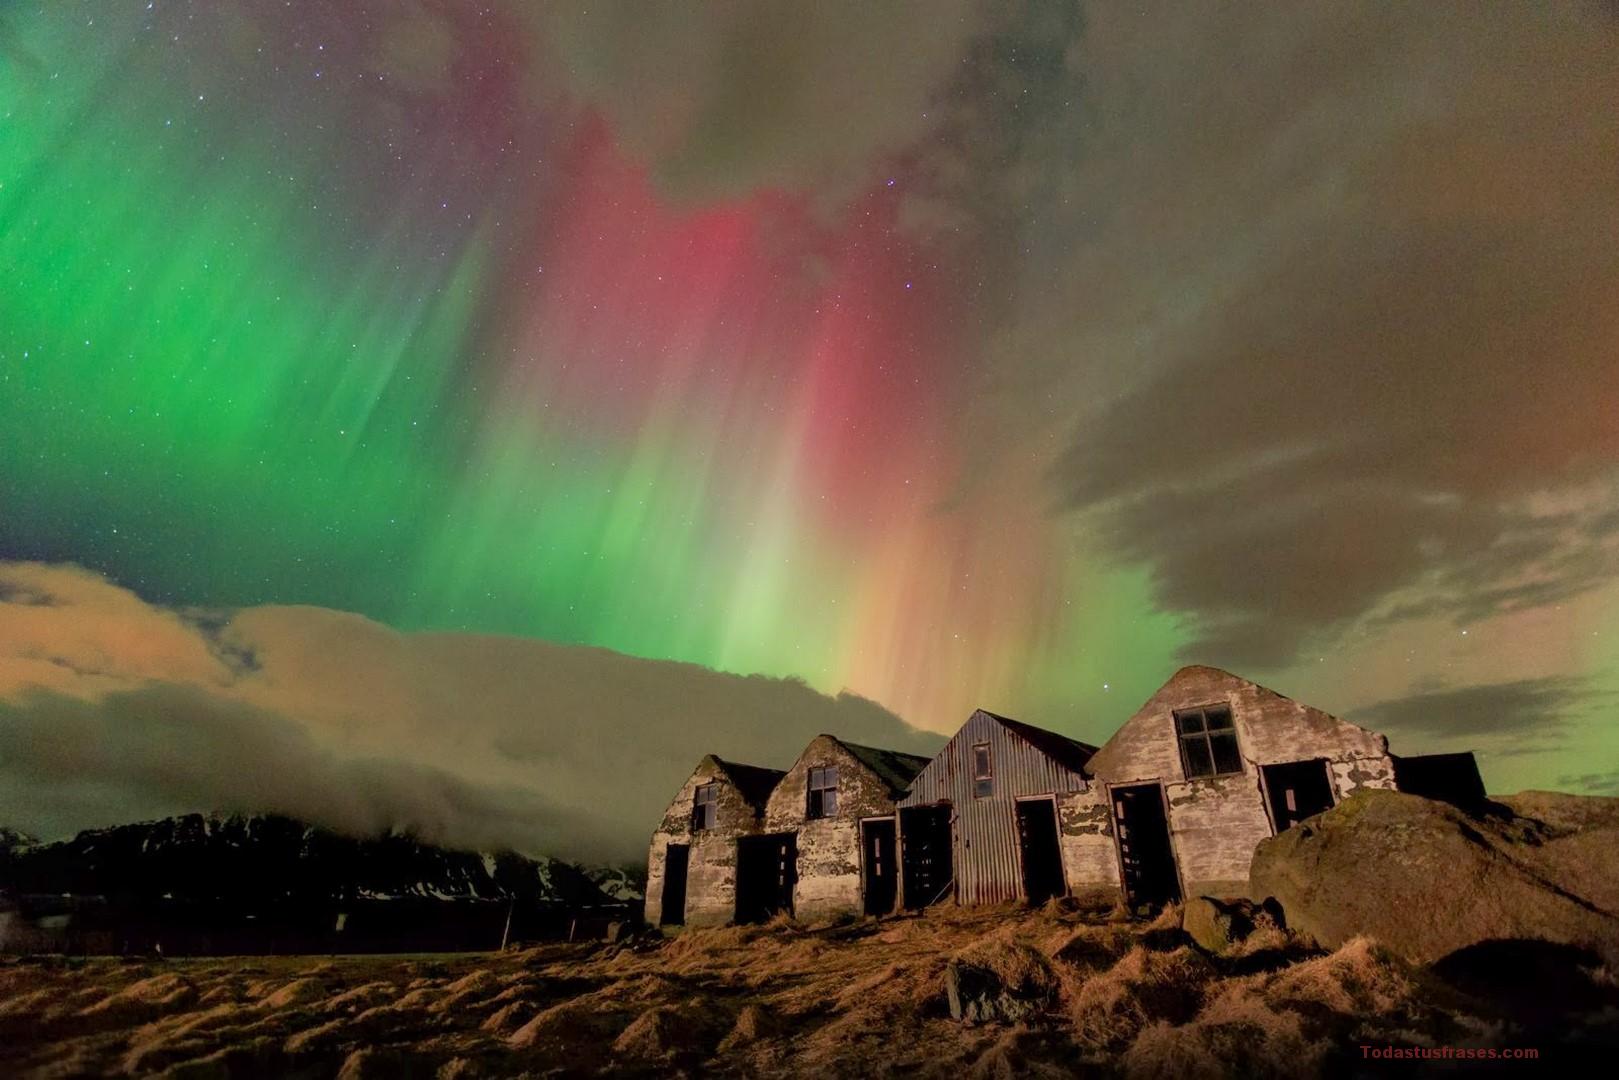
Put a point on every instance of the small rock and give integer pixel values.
(976, 996)
(1216, 925)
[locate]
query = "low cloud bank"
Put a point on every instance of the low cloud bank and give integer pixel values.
(112, 709)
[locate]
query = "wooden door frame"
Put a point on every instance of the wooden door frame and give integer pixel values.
(1169, 833)
(1056, 819)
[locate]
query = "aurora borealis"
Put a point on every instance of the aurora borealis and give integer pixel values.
(477, 374)
(954, 355)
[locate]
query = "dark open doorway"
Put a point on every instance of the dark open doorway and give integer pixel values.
(880, 875)
(1038, 847)
(1297, 790)
(1145, 856)
(927, 870)
(766, 868)
(676, 862)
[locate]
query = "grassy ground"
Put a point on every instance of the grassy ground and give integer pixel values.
(861, 999)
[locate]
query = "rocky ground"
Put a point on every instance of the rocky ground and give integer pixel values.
(1051, 992)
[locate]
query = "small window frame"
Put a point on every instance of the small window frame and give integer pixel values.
(821, 793)
(705, 807)
(1206, 736)
(983, 766)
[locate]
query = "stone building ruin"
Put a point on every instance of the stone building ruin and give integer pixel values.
(1171, 806)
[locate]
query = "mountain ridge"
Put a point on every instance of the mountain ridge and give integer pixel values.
(267, 858)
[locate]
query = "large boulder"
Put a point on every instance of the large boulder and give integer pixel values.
(1426, 879)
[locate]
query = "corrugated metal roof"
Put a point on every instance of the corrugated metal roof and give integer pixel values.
(1065, 751)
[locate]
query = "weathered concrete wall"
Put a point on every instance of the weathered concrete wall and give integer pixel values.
(1216, 821)
(711, 878)
(1351, 775)
(1214, 824)
(829, 878)
(1089, 857)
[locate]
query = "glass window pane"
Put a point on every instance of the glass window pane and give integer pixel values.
(1226, 758)
(1189, 723)
(1198, 760)
(1219, 718)
(829, 803)
(829, 776)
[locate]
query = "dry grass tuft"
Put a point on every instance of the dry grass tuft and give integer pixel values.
(754, 1023)
(1360, 978)
(863, 998)
(660, 1034)
(1107, 1010)
(297, 992)
(1017, 966)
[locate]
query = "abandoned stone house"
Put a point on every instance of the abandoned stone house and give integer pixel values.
(1171, 806)
(741, 843)
(691, 869)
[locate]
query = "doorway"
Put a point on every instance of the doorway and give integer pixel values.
(766, 870)
(1040, 852)
(1145, 857)
(676, 865)
(1297, 790)
(880, 879)
(926, 868)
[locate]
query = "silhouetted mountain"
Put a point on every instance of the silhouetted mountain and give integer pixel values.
(626, 883)
(262, 860)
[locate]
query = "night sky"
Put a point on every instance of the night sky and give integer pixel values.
(947, 354)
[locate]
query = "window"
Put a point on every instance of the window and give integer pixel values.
(823, 792)
(1208, 741)
(983, 771)
(705, 807)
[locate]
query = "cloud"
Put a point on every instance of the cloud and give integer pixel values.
(173, 749)
(725, 98)
(1324, 309)
(112, 708)
(1319, 311)
(1523, 710)
(1605, 783)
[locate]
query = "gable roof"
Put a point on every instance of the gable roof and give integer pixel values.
(1194, 684)
(1070, 753)
(753, 782)
(894, 767)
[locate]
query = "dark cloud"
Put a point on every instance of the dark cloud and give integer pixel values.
(725, 98)
(111, 708)
(1526, 710)
(1602, 783)
(1326, 305)
(168, 749)
(1313, 317)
